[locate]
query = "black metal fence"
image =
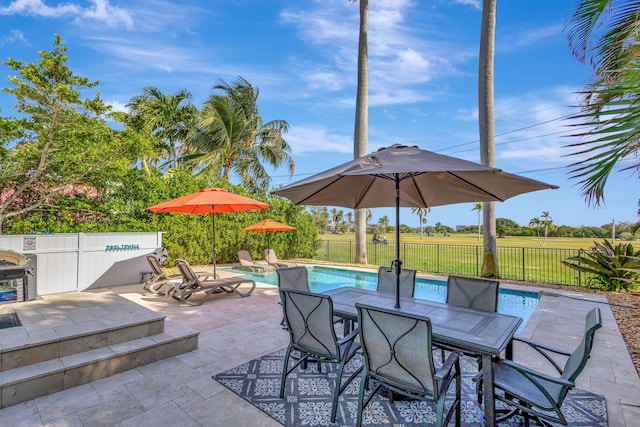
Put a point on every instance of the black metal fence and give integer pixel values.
(539, 265)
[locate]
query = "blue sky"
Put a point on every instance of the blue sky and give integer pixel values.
(423, 58)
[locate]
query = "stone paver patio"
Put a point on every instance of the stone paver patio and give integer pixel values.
(180, 391)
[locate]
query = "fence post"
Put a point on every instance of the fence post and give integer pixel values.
(524, 269)
(438, 258)
(477, 261)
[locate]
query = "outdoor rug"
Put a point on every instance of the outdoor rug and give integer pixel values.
(308, 394)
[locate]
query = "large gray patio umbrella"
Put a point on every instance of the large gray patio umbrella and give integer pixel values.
(407, 176)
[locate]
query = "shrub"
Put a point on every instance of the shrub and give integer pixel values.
(609, 268)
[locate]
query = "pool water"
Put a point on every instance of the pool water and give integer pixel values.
(515, 303)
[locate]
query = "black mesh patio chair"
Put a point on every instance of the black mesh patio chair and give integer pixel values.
(387, 281)
(309, 320)
(398, 355)
(477, 294)
(536, 395)
(472, 292)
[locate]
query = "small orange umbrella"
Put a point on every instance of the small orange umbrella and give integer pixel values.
(209, 200)
(269, 225)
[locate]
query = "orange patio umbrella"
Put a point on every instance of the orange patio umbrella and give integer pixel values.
(209, 200)
(269, 225)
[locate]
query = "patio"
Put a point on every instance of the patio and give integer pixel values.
(180, 391)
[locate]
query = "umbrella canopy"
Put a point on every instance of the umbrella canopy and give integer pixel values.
(209, 200)
(269, 225)
(409, 177)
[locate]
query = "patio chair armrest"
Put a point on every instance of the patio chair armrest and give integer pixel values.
(532, 375)
(349, 337)
(444, 371)
(543, 350)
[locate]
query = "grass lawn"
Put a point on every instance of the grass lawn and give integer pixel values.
(472, 240)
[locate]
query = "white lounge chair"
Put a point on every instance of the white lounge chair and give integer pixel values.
(247, 263)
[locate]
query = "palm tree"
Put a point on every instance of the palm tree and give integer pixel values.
(349, 220)
(231, 136)
(547, 224)
(610, 116)
(422, 213)
(487, 131)
(166, 117)
(360, 140)
(478, 207)
(383, 221)
(536, 224)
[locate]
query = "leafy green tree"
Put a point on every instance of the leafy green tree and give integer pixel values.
(231, 136)
(506, 227)
(58, 146)
(167, 118)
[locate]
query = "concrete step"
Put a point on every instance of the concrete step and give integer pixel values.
(35, 380)
(71, 339)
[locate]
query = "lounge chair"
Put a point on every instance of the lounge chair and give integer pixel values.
(272, 259)
(247, 263)
(159, 277)
(192, 285)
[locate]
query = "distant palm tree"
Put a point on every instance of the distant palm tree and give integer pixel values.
(231, 135)
(478, 207)
(547, 224)
(383, 221)
(422, 213)
(166, 117)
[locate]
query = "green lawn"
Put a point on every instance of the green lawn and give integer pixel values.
(472, 240)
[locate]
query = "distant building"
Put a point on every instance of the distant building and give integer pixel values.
(460, 227)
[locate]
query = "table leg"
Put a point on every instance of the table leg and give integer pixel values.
(487, 391)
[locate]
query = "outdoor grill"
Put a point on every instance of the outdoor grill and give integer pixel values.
(13, 266)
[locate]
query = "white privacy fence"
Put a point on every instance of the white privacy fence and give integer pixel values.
(77, 261)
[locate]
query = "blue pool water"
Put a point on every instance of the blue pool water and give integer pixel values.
(516, 303)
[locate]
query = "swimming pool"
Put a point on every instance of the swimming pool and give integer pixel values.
(516, 303)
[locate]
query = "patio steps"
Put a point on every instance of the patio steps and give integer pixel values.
(63, 343)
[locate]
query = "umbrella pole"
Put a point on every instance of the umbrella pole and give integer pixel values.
(397, 262)
(213, 239)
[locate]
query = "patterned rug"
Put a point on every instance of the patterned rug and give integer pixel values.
(308, 394)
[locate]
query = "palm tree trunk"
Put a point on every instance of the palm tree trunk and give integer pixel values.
(487, 131)
(360, 140)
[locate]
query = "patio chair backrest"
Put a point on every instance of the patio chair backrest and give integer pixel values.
(270, 256)
(309, 319)
(293, 278)
(245, 257)
(397, 349)
(387, 281)
(187, 272)
(472, 292)
(156, 268)
(578, 359)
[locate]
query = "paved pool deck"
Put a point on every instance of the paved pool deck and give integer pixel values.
(180, 391)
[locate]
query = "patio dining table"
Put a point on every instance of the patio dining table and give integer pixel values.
(474, 332)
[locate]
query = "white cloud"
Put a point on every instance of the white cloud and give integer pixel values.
(38, 8)
(14, 36)
(100, 10)
(117, 106)
(398, 55)
(310, 139)
(508, 41)
(476, 4)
